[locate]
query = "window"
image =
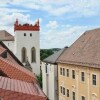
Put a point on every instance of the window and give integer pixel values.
(46, 70)
(33, 55)
(83, 98)
(4, 55)
(63, 91)
(24, 34)
(67, 72)
(73, 95)
(73, 74)
(67, 93)
(24, 54)
(30, 34)
(82, 76)
(3, 74)
(94, 79)
(63, 71)
(60, 71)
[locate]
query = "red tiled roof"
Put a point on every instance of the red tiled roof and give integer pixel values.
(21, 84)
(15, 71)
(2, 50)
(11, 89)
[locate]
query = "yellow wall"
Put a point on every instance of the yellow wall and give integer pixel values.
(80, 88)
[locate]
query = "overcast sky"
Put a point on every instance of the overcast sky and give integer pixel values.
(62, 21)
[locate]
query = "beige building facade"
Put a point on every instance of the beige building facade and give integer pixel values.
(79, 68)
(78, 82)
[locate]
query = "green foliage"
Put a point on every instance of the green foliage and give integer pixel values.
(44, 53)
(39, 78)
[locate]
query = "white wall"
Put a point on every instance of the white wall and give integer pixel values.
(10, 45)
(44, 78)
(52, 81)
(28, 42)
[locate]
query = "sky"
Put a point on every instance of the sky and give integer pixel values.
(61, 21)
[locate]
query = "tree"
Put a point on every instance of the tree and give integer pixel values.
(39, 78)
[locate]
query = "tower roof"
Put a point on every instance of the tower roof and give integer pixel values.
(26, 26)
(85, 51)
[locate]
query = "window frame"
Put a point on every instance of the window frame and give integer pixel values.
(73, 74)
(63, 71)
(82, 76)
(67, 92)
(46, 68)
(73, 95)
(61, 89)
(64, 91)
(60, 71)
(82, 97)
(94, 79)
(30, 34)
(24, 34)
(33, 55)
(67, 72)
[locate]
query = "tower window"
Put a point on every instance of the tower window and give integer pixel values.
(33, 55)
(24, 54)
(24, 34)
(30, 34)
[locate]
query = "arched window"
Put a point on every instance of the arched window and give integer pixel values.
(24, 54)
(33, 55)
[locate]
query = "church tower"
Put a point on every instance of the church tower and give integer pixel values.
(27, 46)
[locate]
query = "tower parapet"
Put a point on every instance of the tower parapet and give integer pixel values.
(26, 27)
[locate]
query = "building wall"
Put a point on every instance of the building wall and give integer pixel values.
(86, 88)
(28, 42)
(10, 45)
(50, 81)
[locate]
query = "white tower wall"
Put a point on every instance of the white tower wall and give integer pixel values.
(28, 42)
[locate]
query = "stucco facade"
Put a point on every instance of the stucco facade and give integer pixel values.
(84, 90)
(49, 75)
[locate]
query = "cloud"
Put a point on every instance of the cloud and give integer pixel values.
(53, 32)
(52, 24)
(7, 21)
(63, 36)
(61, 7)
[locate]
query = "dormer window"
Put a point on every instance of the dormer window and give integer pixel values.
(24, 34)
(4, 55)
(2, 74)
(30, 34)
